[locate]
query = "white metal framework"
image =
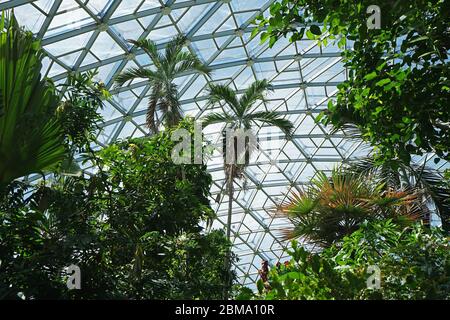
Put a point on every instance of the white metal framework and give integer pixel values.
(81, 35)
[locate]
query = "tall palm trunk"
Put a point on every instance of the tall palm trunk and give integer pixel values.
(230, 199)
(231, 171)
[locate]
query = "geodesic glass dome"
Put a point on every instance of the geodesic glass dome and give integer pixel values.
(81, 35)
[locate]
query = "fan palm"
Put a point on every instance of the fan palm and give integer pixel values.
(331, 208)
(164, 92)
(397, 175)
(241, 117)
(30, 136)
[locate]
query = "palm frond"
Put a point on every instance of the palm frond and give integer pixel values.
(169, 64)
(215, 117)
(174, 48)
(170, 106)
(151, 109)
(350, 130)
(49, 152)
(397, 175)
(333, 207)
(149, 48)
(431, 181)
(135, 73)
(31, 139)
(187, 62)
(255, 92)
(296, 205)
(218, 93)
(272, 118)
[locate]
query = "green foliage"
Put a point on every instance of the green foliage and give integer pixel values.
(143, 177)
(396, 175)
(414, 264)
(42, 233)
(132, 228)
(78, 112)
(30, 137)
(241, 115)
(396, 94)
(40, 130)
(187, 266)
(79, 117)
(333, 207)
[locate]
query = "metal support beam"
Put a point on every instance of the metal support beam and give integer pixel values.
(112, 21)
(110, 10)
(238, 62)
(14, 3)
(52, 12)
(203, 98)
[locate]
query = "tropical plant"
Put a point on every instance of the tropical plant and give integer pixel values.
(398, 84)
(173, 63)
(30, 135)
(156, 246)
(240, 117)
(79, 117)
(396, 175)
(45, 229)
(78, 111)
(123, 226)
(414, 261)
(334, 207)
(414, 264)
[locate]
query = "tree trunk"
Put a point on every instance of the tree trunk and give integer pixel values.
(230, 208)
(230, 200)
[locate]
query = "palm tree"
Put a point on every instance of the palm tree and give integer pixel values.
(164, 92)
(395, 174)
(241, 117)
(331, 208)
(31, 138)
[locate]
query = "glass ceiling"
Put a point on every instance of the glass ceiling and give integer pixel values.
(81, 35)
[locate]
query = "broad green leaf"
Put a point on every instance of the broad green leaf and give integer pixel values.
(383, 82)
(310, 35)
(370, 76)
